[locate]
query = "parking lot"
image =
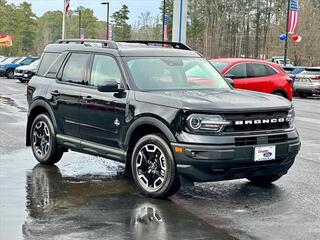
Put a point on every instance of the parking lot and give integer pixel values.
(86, 197)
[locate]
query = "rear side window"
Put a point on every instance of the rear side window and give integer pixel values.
(75, 68)
(259, 70)
(46, 61)
(238, 71)
(54, 69)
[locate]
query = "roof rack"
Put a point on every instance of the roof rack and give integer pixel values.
(90, 42)
(176, 45)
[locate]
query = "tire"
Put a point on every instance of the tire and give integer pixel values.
(43, 141)
(303, 95)
(264, 180)
(10, 73)
(21, 80)
(153, 167)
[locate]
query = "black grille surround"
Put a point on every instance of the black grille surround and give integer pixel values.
(255, 127)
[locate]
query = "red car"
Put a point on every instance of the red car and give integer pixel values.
(255, 75)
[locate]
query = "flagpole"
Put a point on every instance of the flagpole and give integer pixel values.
(64, 19)
(287, 35)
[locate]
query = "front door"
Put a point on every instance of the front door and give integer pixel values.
(102, 115)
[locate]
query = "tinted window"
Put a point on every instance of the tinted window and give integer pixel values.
(259, 70)
(27, 61)
(52, 73)
(104, 68)
(238, 71)
(220, 65)
(46, 61)
(74, 70)
(270, 70)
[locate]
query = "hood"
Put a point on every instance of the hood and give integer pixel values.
(215, 100)
(9, 65)
(27, 67)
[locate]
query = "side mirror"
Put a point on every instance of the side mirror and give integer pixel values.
(109, 86)
(230, 81)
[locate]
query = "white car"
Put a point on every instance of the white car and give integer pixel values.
(26, 72)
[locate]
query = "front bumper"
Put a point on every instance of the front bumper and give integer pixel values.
(24, 76)
(203, 163)
(2, 72)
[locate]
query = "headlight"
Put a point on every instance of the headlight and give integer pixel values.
(290, 117)
(206, 123)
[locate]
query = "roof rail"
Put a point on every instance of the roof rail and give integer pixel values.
(90, 42)
(176, 45)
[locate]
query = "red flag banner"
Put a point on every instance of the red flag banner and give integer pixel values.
(67, 7)
(5, 40)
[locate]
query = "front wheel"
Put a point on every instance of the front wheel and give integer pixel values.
(264, 180)
(43, 141)
(10, 73)
(153, 167)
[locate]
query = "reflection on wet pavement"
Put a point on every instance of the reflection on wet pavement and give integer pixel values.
(96, 207)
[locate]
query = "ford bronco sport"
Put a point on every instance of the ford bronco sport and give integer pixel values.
(165, 112)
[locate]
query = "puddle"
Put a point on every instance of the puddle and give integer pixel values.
(9, 101)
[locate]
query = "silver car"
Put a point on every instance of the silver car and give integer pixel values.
(308, 82)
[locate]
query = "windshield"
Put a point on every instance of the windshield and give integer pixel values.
(16, 60)
(220, 65)
(35, 63)
(174, 73)
(20, 60)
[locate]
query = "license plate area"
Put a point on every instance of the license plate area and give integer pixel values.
(265, 153)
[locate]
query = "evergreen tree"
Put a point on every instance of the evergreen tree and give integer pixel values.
(120, 28)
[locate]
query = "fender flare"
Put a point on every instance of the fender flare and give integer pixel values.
(43, 104)
(150, 121)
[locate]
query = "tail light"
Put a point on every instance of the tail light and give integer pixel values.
(289, 80)
(316, 77)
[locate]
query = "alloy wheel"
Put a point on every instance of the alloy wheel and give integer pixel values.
(151, 167)
(41, 139)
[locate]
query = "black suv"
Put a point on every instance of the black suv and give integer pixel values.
(165, 112)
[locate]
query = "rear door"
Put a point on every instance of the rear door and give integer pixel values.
(102, 114)
(66, 90)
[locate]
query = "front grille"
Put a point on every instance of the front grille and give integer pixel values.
(255, 116)
(18, 71)
(272, 139)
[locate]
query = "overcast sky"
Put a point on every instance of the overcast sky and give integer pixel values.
(135, 6)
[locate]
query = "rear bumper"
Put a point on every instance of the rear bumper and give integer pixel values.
(203, 163)
(307, 88)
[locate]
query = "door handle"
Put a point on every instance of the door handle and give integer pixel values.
(87, 98)
(55, 93)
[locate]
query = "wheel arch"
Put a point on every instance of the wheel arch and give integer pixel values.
(38, 107)
(281, 91)
(142, 127)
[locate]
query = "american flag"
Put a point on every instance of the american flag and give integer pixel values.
(293, 16)
(165, 23)
(67, 7)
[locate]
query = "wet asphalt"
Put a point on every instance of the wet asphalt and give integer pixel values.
(86, 197)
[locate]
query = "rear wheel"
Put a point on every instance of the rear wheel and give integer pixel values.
(22, 80)
(153, 167)
(43, 141)
(264, 180)
(9, 73)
